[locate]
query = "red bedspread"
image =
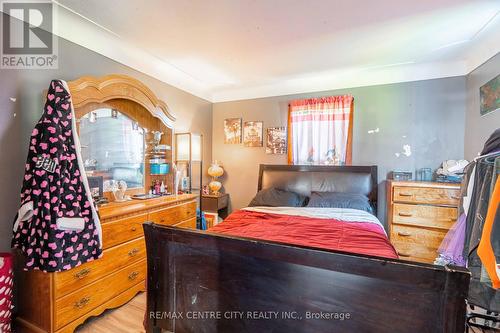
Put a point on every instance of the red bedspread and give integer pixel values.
(354, 237)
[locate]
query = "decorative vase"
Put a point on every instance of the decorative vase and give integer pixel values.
(215, 186)
(119, 190)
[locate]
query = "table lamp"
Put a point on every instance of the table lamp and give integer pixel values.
(215, 171)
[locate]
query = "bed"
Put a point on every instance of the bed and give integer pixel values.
(247, 275)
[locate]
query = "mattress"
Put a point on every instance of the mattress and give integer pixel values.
(338, 229)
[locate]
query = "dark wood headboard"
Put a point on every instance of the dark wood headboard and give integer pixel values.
(304, 179)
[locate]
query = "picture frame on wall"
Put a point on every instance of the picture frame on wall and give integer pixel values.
(232, 131)
(253, 134)
(490, 96)
(276, 142)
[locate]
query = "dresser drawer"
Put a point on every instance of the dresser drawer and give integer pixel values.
(416, 244)
(426, 216)
(426, 195)
(188, 224)
(75, 305)
(113, 259)
(122, 230)
(212, 203)
(173, 215)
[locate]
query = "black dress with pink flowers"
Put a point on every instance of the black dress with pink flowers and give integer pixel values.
(57, 227)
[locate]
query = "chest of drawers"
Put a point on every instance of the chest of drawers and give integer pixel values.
(419, 216)
(59, 302)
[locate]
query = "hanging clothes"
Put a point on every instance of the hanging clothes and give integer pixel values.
(451, 250)
(492, 144)
(482, 291)
(485, 249)
(480, 199)
(57, 227)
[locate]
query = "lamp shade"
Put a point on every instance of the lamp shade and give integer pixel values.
(188, 147)
(196, 147)
(183, 145)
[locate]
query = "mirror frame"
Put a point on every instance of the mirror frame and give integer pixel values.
(90, 90)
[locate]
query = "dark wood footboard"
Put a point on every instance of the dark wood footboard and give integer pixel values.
(201, 282)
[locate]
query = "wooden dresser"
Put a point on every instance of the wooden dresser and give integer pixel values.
(419, 216)
(59, 302)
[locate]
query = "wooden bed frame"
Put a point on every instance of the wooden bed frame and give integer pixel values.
(202, 282)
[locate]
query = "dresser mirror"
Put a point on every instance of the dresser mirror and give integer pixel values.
(113, 147)
(126, 136)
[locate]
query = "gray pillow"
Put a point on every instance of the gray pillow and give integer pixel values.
(273, 197)
(340, 200)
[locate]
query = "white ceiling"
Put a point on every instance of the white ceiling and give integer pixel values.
(235, 49)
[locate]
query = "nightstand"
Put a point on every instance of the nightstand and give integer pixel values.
(217, 204)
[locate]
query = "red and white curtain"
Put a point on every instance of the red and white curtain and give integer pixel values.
(320, 131)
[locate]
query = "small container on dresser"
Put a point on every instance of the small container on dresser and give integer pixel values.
(419, 216)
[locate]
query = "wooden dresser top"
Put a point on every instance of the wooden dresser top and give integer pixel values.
(113, 209)
(411, 183)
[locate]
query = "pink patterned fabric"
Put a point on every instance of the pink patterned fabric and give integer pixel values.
(57, 227)
(6, 285)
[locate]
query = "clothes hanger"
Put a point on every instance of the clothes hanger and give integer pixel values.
(491, 158)
(497, 153)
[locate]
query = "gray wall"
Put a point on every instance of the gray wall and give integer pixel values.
(478, 128)
(18, 118)
(427, 115)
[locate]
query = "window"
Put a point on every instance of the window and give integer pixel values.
(320, 131)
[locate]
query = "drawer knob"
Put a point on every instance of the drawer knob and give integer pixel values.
(83, 273)
(81, 303)
(133, 252)
(132, 276)
(405, 194)
(133, 228)
(403, 254)
(404, 233)
(405, 214)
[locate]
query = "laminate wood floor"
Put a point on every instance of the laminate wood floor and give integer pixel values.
(125, 319)
(129, 318)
